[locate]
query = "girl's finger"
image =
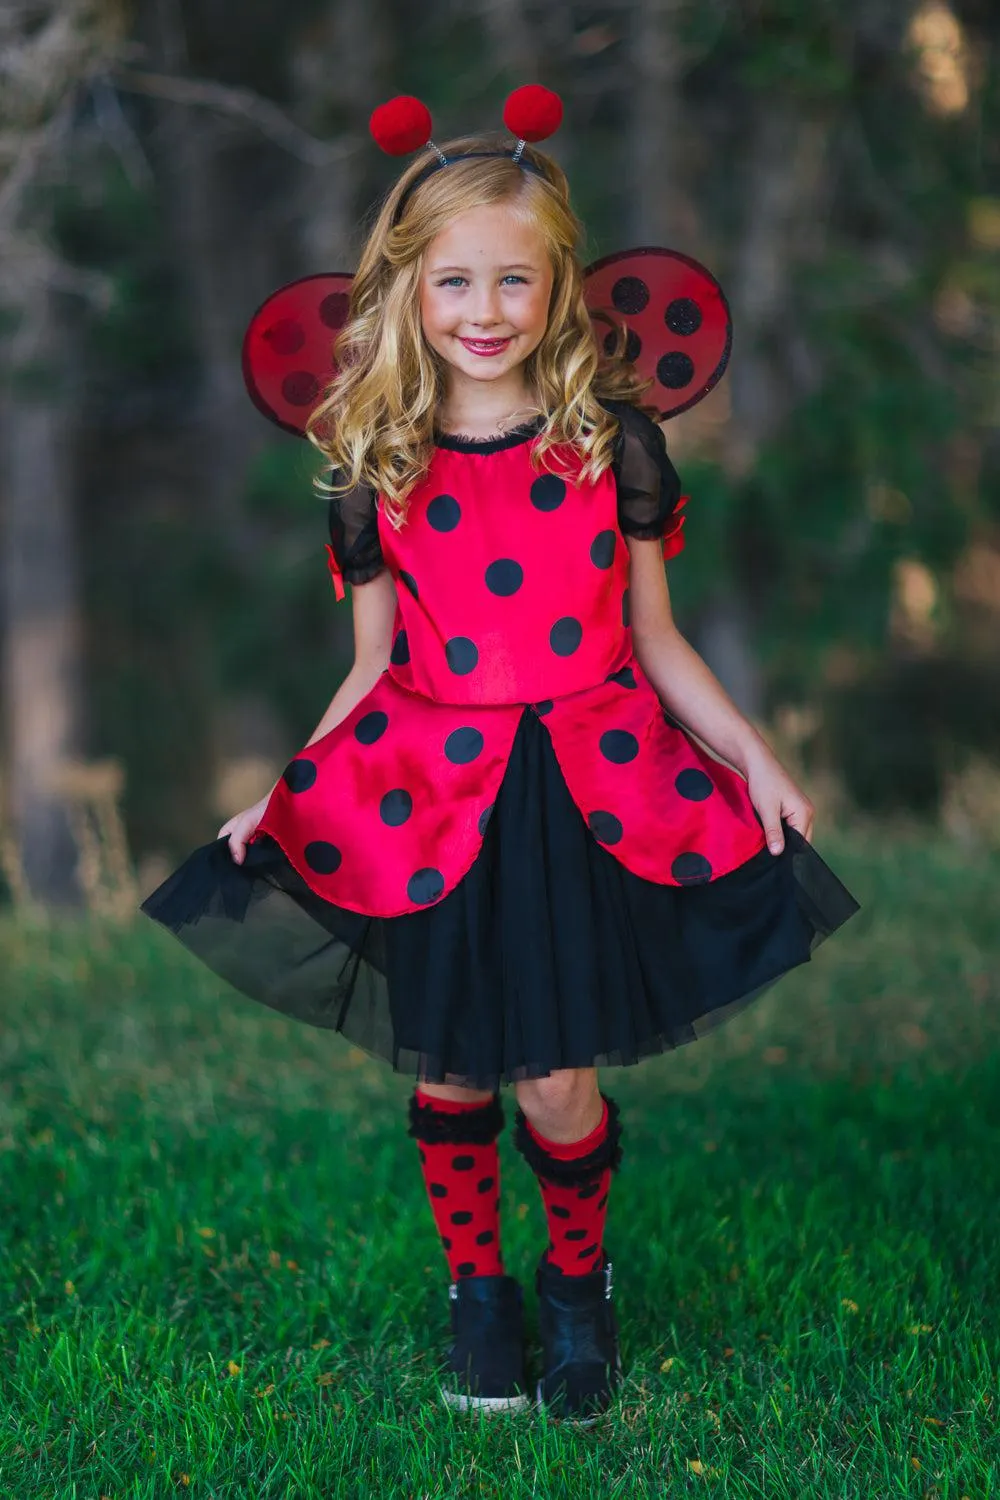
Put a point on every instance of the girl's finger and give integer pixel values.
(799, 816)
(770, 817)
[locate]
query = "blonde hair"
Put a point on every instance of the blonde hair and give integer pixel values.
(376, 422)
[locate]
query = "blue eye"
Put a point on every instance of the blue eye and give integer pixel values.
(452, 280)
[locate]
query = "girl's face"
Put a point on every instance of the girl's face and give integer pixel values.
(484, 293)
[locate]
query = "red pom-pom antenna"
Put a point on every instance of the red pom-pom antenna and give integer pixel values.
(533, 112)
(401, 125)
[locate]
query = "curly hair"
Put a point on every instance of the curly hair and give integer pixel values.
(376, 421)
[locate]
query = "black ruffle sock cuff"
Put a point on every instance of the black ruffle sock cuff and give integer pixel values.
(584, 1169)
(471, 1127)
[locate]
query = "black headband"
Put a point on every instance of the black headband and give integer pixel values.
(436, 164)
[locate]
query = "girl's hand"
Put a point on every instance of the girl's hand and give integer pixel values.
(775, 796)
(240, 827)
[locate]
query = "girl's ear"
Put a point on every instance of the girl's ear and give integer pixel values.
(288, 347)
(676, 320)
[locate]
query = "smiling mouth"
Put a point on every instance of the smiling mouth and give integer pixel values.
(485, 346)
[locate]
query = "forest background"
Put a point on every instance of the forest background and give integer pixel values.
(168, 633)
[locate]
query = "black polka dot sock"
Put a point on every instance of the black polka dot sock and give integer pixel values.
(575, 1180)
(461, 1166)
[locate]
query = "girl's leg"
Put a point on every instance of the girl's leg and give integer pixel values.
(568, 1132)
(457, 1130)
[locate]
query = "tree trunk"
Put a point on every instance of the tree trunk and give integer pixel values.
(41, 614)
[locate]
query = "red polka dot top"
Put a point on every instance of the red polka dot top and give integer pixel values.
(512, 596)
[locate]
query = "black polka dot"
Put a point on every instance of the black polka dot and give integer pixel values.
(683, 316)
(605, 827)
(423, 1155)
(630, 294)
(694, 785)
(463, 1163)
(633, 344)
(543, 706)
(618, 745)
(626, 611)
(548, 492)
(285, 337)
(323, 857)
(602, 549)
(461, 655)
(552, 1247)
(463, 745)
(602, 1202)
(466, 1268)
(558, 1212)
(446, 1242)
(504, 577)
(409, 582)
(484, 1237)
(400, 653)
(333, 309)
(425, 885)
(576, 1234)
(300, 388)
(588, 1192)
(463, 1216)
(395, 807)
(484, 818)
(438, 1190)
(371, 727)
(484, 1184)
(565, 635)
(444, 513)
(675, 370)
(496, 1206)
(625, 677)
(299, 775)
(691, 869)
(587, 1251)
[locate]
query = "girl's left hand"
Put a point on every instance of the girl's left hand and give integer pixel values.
(775, 796)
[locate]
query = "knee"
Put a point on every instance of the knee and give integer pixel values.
(569, 1094)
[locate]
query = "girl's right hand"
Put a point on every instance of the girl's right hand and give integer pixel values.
(239, 829)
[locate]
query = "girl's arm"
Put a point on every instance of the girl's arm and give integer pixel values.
(686, 687)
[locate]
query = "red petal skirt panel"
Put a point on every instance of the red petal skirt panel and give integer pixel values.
(547, 953)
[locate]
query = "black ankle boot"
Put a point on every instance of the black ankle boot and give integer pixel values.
(485, 1363)
(581, 1357)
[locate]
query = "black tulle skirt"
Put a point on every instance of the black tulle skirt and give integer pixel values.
(547, 954)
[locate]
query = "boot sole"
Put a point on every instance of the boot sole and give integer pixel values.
(491, 1405)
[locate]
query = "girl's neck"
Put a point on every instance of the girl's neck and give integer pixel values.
(485, 410)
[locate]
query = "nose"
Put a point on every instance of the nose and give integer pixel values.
(486, 310)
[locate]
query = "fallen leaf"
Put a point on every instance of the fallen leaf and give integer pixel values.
(321, 1344)
(846, 1302)
(325, 1379)
(233, 1367)
(206, 1234)
(667, 1365)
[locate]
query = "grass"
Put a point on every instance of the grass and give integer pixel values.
(219, 1276)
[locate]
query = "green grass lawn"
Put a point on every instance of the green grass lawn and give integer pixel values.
(220, 1276)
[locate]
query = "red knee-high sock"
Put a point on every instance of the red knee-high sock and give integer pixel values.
(461, 1167)
(575, 1180)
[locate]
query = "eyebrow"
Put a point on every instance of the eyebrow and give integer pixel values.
(519, 266)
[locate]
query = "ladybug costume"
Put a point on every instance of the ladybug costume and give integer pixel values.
(508, 858)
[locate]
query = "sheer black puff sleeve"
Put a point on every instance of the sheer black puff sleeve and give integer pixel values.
(355, 549)
(649, 487)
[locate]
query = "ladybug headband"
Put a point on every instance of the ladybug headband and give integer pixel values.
(403, 124)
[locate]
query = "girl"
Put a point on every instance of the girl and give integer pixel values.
(500, 858)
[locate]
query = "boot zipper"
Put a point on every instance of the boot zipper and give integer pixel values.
(607, 1282)
(453, 1291)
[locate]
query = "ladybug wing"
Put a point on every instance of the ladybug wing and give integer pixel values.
(288, 347)
(679, 329)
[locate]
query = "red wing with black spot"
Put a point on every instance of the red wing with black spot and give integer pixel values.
(288, 347)
(679, 332)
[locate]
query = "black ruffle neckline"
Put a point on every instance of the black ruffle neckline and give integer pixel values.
(459, 443)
